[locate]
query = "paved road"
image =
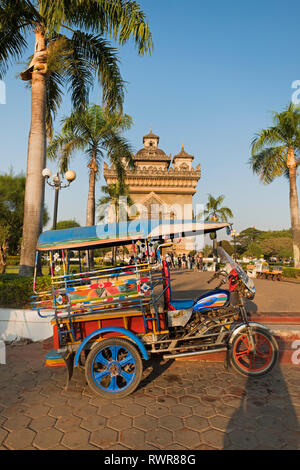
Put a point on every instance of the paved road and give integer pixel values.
(177, 406)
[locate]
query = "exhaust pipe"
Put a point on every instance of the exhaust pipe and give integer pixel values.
(189, 354)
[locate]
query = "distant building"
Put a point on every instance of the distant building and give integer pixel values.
(161, 187)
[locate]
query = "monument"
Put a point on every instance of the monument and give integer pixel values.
(161, 187)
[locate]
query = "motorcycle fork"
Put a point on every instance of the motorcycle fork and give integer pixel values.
(249, 333)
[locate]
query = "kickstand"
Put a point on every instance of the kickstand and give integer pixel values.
(69, 360)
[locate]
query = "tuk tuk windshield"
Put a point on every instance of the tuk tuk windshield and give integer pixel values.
(224, 256)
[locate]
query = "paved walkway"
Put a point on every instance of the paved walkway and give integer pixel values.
(177, 406)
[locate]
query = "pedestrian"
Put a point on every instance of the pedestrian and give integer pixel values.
(179, 262)
(184, 261)
(200, 261)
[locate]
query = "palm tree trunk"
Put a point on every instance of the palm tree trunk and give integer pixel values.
(294, 207)
(34, 190)
(91, 204)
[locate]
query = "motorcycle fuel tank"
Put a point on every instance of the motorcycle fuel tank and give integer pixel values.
(212, 300)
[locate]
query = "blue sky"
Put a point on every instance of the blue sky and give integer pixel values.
(217, 71)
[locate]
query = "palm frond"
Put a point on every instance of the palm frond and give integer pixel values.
(101, 58)
(269, 163)
(15, 18)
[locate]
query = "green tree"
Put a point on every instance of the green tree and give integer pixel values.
(214, 211)
(274, 154)
(70, 51)
(275, 246)
(12, 192)
(96, 132)
(253, 250)
(117, 195)
(64, 224)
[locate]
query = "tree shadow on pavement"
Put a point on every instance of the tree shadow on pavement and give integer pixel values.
(266, 418)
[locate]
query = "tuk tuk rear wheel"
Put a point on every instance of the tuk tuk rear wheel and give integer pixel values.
(114, 368)
(256, 363)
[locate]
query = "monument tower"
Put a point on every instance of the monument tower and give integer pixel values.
(161, 187)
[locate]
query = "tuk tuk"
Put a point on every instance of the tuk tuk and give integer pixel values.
(109, 319)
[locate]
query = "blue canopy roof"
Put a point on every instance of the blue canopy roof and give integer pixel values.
(123, 233)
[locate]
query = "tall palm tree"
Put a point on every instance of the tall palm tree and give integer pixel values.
(273, 154)
(113, 195)
(69, 51)
(214, 211)
(97, 132)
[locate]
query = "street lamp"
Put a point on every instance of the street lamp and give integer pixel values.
(57, 184)
(234, 235)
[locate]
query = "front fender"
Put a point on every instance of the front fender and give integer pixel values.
(240, 328)
(102, 331)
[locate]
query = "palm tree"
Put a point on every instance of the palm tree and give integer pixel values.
(273, 154)
(214, 211)
(69, 51)
(114, 194)
(96, 132)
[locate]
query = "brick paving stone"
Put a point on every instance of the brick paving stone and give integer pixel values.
(67, 423)
(119, 423)
(197, 423)
(133, 410)
(213, 438)
(222, 423)
(133, 438)
(167, 400)
(189, 400)
(159, 437)
(244, 440)
(58, 411)
(171, 422)
(18, 422)
(110, 410)
(104, 438)
(187, 438)
(43, 422)
(3, 435)
(204, 410)
(36, 411)
(145, 423)
(18, 440)
(78, 438)
(157, 410)
(92, 423)
(181, 411)
(47, 439)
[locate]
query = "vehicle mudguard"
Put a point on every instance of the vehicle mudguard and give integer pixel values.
(242, 326)
(102, 331)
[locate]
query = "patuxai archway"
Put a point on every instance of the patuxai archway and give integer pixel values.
(161, 187)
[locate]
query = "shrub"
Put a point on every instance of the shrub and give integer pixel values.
(15, 291)
(291, 272)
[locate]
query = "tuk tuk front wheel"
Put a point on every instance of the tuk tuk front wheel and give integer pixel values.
(254, 362)
(114, 368)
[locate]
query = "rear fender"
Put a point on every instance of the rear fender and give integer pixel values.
(120, 331)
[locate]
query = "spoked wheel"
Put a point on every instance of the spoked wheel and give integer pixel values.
(257, 362)
(114, 368)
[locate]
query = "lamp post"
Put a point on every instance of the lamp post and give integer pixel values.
(57, 184)
(234, 235)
